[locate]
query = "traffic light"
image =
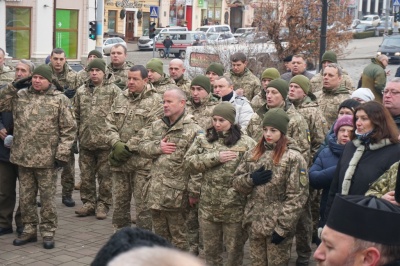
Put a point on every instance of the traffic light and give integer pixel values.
(397, 16)
(152, 30)
(92, 30)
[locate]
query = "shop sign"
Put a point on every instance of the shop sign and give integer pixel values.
(126, 4)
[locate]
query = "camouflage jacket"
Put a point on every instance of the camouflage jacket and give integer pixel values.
(276, 205)
(184, 84)
(82, 76)
(289, 75)
(315, 120)
(120, 74)
(66, 78)
(219, 202)
(163, 83)
(44, 126)
(258, 101)
(329, 102)
(374, 78)
(92, 105)
(247, 81)
(167, 187)
(317, 82)
(7, 75)
(203, 113)
(128, 116)
(385, 183)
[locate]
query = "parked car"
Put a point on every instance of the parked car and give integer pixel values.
(363, 28)
(145, 42)
(221, 38)
(214, 29)
(241, 31)
(355, 22)
(390, 47)
(372, 20)
(390, 22)
(110, 42)
(112, 33)
(254, 37)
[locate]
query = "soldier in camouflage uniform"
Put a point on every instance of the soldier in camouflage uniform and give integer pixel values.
(119, 67)
(216, 155)
(157, 77)
(333, 93)
(276, 188)
(166, 143)
(92, 103)
(384, 187)
(6, 72)
(66, 79)
(214, 71)
(134, 109)
(83, 75)
(44, 131)
(245, 83)
(260, 99)
(297, 129)
(176, 72)
(317, 82)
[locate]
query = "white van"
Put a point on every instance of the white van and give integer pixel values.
(145, 42)
(181, 41)
(214, 29)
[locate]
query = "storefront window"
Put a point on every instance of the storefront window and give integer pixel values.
(112, 21)
(177, 13)
(214, 12)
(67, 32)
(18, 32)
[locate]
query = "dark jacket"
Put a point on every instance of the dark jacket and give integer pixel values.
(374, 78)
(322, 171)
(6, 121)
(167, 43)
(397, 120)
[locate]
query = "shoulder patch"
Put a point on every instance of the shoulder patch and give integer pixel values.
(303, 177)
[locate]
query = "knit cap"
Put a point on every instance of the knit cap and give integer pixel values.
(349, 103)
(44, 71)
(302, 81)
(281, 85)
(364, 94)
(202, 81)
(344, 120)
(276, 118)
(97, 63)
(329, 56)
(98, 54)
(270, 73)
(217, 68)
(156, 65)
(225, 110)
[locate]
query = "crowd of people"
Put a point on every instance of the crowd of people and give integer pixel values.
(210, 163)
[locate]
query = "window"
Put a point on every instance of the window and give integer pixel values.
(18, 32)
(112, 21)
(67, 32)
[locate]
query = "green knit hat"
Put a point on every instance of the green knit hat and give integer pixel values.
(225, 110)
(302, 81)
(277, 118)
(96, 53)
(44, 71)
(329, 56)
(270, 73)
(97, 63)
(156, 65)
(281, 85)
(202, 81)
(217, 68)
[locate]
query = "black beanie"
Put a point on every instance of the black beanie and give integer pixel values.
(349, 103)
(96, 53)
(203, 82)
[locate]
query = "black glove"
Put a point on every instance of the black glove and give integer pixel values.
(59, 163)
(276, 239)
(22, 83)
(261, 176)
(69, 92)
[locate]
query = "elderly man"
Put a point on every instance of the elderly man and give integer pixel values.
(298, 67)
(44, 131)
(176, 72)
(374, 76)
(6, 72)
(166, 142)
(391, 99)
(118, 66)
(360, 230)
(157, 77)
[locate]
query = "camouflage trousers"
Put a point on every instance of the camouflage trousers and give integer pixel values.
(304, 235)
(172, 226)
(32, 180)
(124, 184)
(68, 176)
(8, 184)
(217, 235)
(94, 164)
(194, 237)
(263, 252)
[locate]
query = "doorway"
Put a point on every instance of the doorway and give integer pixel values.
(129, 25)
(236, 18)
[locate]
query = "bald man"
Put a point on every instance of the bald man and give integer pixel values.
(176, 72)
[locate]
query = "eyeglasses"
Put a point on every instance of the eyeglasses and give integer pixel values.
(393, 93)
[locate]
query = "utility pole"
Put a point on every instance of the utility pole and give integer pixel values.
(99, 26)
(324, 23)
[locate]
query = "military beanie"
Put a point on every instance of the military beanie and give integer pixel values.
(281, 85)
(276, 118)
(270, 73)
(44, 71)
(302, 81)
(217, 68)
(96, 53)
(203, 82)
(97, 63)
(329, 56)
(225, 110)
(156, 65)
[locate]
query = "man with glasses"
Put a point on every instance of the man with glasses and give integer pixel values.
(374, 76)
(391, 99)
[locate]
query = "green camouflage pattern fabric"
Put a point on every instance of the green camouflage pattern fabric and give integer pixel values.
(163, 83)
(92, 105)
(66, 78)
(385, 183)
(258, 101)
(203, 113)
(329, 102)
(247, 81)
(120, 74)
(33, 112)
(184, 84)
(374, 77)
(82, 77)
(7, 75)
(68, 176)
(317, 82)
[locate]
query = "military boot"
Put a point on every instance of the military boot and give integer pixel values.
(68, 201)
(25, 238)
(78, 186)
(101, 212)
(86, 210)
(48, 242)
